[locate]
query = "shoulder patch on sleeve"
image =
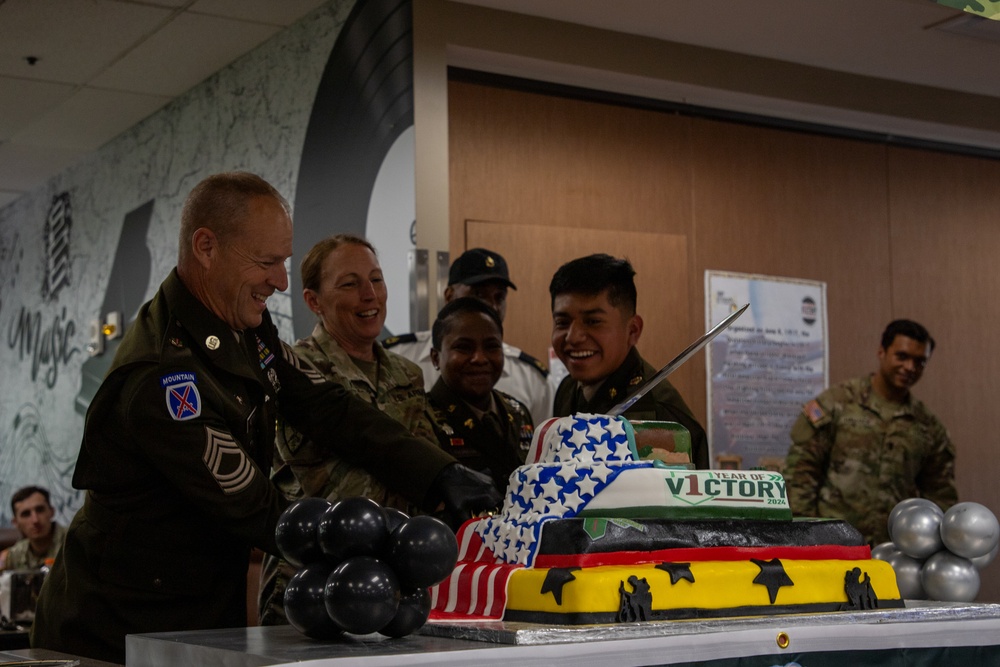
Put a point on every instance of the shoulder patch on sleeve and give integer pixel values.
(389, 342)
(183, 399)
(813, 412)
(537, 364)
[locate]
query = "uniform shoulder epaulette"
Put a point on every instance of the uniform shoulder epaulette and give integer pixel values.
(396, 340)
(538, 365)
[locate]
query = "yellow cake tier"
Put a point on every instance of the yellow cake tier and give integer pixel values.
(718, 587)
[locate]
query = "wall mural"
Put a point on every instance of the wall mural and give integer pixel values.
(101, 236)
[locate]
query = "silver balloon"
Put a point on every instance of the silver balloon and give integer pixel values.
(907, 575)
(982, 561)
(970, 530)
(910, 502)
(883, 551)
(950, 578)
(916, 530)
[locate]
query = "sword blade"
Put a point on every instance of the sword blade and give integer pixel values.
(676, 362)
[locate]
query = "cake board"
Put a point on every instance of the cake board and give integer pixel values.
(528, 634)
(932, 634)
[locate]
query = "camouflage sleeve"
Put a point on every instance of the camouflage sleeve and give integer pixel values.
(936, 479)
(357, 432)
(808, 459)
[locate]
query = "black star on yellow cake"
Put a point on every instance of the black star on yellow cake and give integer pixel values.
(591, 532)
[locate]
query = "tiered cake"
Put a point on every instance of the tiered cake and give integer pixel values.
(592, 533)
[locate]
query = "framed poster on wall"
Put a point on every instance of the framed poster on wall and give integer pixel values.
(764, 367)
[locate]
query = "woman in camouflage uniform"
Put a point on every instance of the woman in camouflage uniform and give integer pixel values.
(343, 284)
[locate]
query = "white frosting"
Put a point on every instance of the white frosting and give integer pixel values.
(578, 457)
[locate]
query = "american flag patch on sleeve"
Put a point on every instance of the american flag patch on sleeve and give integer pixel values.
(813, 411)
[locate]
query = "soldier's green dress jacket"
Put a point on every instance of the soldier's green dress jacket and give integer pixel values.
(174, 459)
(305, 467)
(477, 444)
(662, 403)
(854, 455)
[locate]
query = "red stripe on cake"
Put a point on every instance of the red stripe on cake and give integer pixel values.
(473, 590)
(469, 541)
(686, 555)
(539, 439)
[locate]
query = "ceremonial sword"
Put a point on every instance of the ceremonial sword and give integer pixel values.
(676, 361)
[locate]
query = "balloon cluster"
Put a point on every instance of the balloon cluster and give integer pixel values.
(362, 568)
(937, 555)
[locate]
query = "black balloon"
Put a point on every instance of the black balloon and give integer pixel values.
(362, 595)
(305, 602)
(296, 532)
(395, 517)
(353, 527)
(414, 608)
(422, 551)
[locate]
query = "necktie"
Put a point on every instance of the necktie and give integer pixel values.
(493, 422)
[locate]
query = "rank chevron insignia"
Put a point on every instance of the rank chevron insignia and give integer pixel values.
(227, 462)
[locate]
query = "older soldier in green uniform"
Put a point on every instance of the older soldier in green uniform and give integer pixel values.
(484, 428)
(180, 435)
(595, 329)
(866, 444)
(343, 284)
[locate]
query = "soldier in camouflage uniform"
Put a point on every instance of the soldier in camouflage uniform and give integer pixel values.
(342, 278)
(43, 537)
(487, 430)
(864, 445)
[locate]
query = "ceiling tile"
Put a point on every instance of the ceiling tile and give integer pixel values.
(73, 41)
(185, 52)
(89, 118)
(282, 13)
(21, 102)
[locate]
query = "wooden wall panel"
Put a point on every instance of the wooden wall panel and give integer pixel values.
(534, 252)
(559, 162)
(797, 205)
(945, 243)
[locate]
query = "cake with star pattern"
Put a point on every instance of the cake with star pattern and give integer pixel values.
(590, 532)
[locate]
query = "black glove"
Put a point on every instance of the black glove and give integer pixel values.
(465, 493)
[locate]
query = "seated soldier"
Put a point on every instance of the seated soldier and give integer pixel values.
(485, 429)
(42, 537)
(595, 329)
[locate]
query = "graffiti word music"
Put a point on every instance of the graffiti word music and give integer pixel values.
(47, 346)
